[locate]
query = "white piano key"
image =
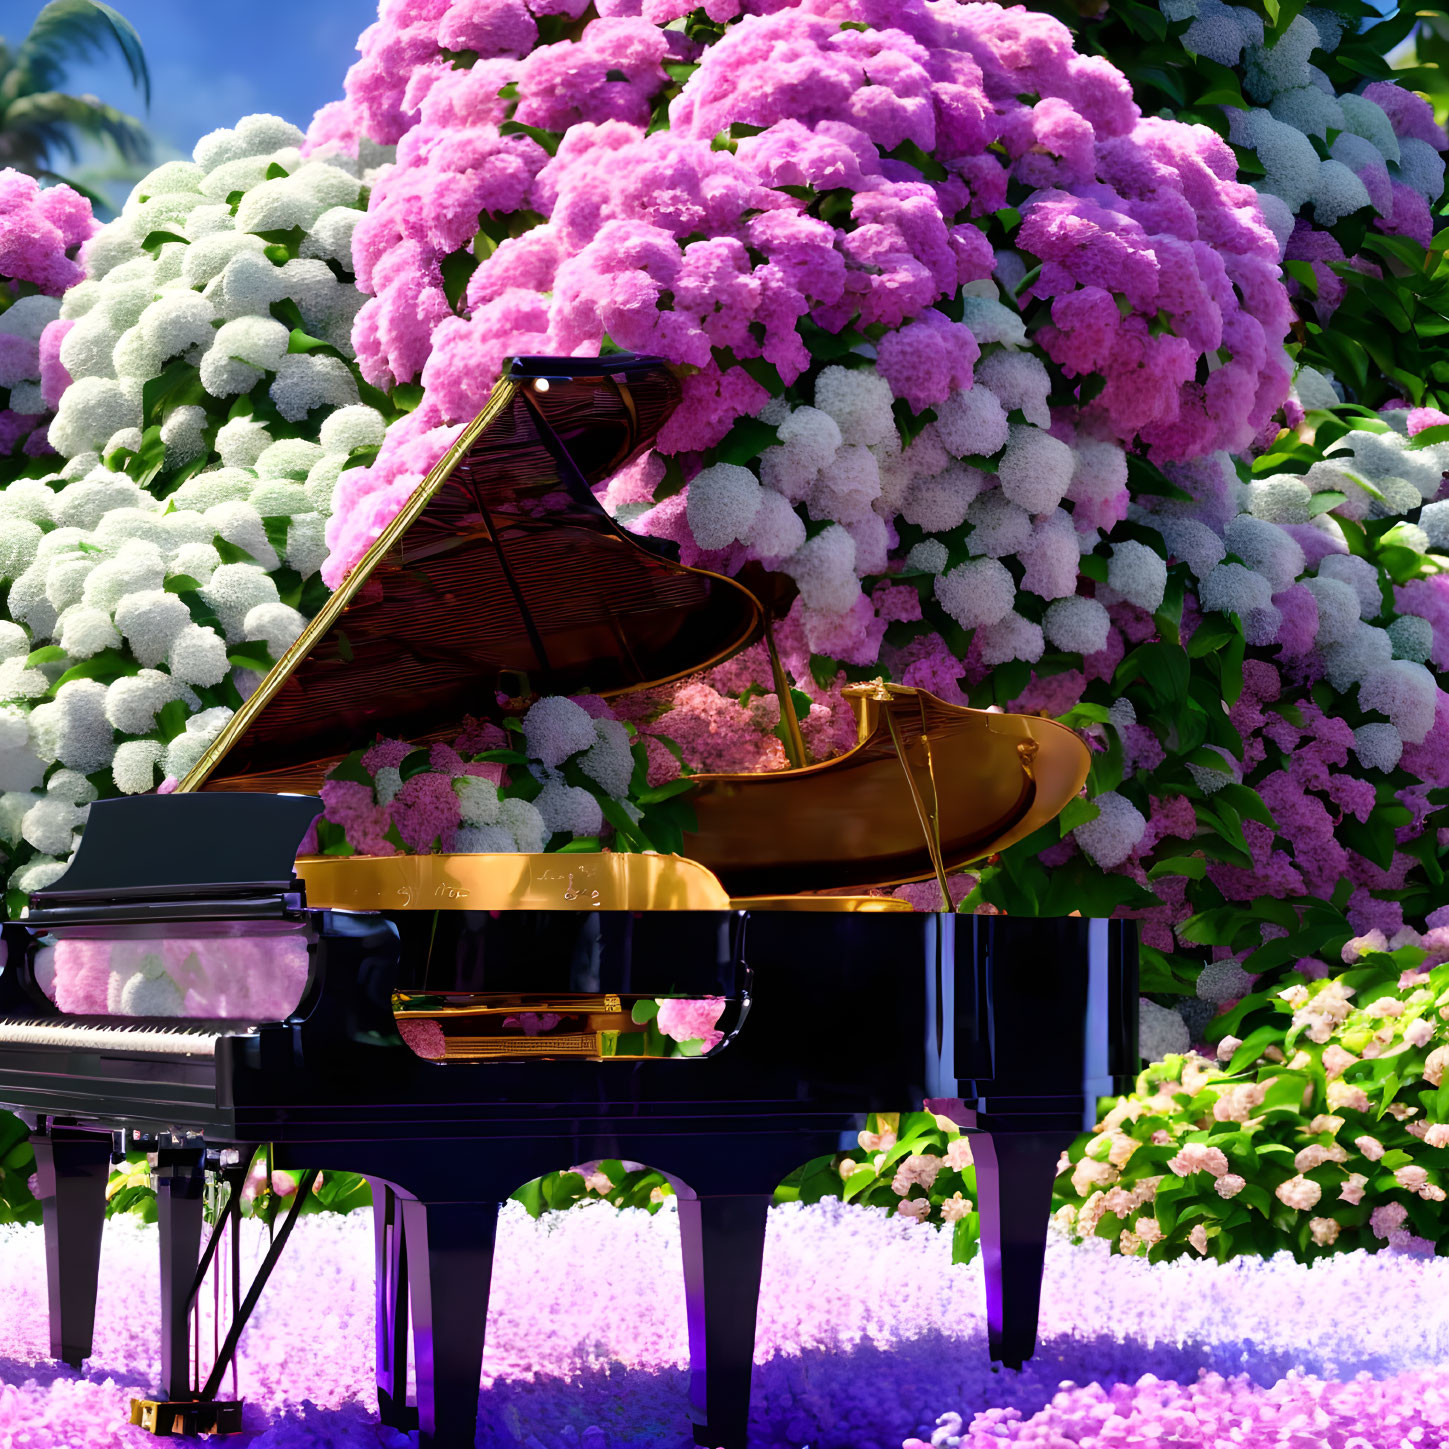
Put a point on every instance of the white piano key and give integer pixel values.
(178, 1040)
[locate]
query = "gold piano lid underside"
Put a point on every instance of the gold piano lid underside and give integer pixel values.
(853, 822)
(597, 881)
(501, 568)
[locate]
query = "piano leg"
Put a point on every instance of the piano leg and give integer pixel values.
(1014, 1176)
(71, 1167)
(180, 1182)
(723, 1239)
(450, 1247)
(392, 1309)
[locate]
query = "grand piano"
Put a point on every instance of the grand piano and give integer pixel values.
(456, 1025)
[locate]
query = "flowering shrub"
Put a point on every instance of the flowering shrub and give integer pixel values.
(1321, 1126)
(41, 232)
(205, 403)
(559, 777)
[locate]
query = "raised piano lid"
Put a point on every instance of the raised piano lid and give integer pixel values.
(502, 571)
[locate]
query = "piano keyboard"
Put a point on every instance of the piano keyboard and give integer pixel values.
(172, 1039)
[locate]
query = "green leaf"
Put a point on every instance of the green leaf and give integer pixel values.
(547, 139)
(253, 654)
(108, 665)
(46, 654)
(157, 239)
(644, 1010)
(747, 439)
(300, 342)
(1192, 866)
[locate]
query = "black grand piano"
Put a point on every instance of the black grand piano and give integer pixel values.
(396, 1058)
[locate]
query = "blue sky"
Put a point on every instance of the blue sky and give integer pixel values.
(214, 61)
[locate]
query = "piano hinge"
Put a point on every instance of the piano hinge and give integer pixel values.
(186, 1417)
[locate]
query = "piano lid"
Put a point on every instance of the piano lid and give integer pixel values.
(501, 572)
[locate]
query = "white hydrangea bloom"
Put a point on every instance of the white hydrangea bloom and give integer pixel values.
(150, 621)
(1404, 691)
(1413, 638)
(1076, 625)
(1338, 610)
(1357, 658)
(1011, 637)
(304, 382)
(38, 874)
(240, 524)
(1337, 192)
(74, 728)
(1368, 119)
(1279, 499)
(998, 526)
(50, 825)
(1360, 575)
(257, 135)
(243, 350)
(277, 625)
(1283, 65)
(872, 541)
(977, 592)
(276, 498)
(19, 540)
(1266, 549)
(1036, 469)
(195, 561)
(721, 505)
(91, 411)
(1211, 778)
(306, 549)
(184, 753)
(929, 556)
(940, 502)
(809, 440)
(233, 591)
(1286, 154)
(1308, 109)
(133, 700)
(357, 426)
(208, 257)
(484, 840)
(1406, 535)
(289, 458)
(1223, 981)
(477, 800)
(568, 808)
(777, 530)
(1378, 746)
(1221, 31)
(248, 285)
(331, 236)
(28, 317)
(608, 760)
(134, 767)
(1138, 574)
(555, 728)
(184, 433)
(847, 486)
(84, 631)
(524, 824)
(298, 199)
(241, 441)
(1420, 167)
(824, 569)
(1193, 542)
(1020, 381)
(14, 642)
(1110, 838)
(990, 322)
(972, 423)
(860, 401)
(198, 656)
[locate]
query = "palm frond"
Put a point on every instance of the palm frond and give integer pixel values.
(71, 30)
(56, 118)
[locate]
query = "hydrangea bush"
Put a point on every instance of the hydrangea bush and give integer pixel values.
(206, 400)
(41, 232)
(1321, 1126)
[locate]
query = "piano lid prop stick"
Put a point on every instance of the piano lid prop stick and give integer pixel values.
(930, 819)
(794, 742)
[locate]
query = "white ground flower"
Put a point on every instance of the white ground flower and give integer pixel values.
(972, 423)
(240, 524)
(1338, 610)
(569, 808)
(847, 486)
(1012, 637)
(241, 353)
(184, 753)
(998, 526)
(133, 700)
(289, 458)
(477, 800)
(207, 257)
(1404, 691)
(1361, 576)
(84, 631)
(940, 502)
(1413, 638)
(929, 556)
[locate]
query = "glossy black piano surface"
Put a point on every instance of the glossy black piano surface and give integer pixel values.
(1013, 1026)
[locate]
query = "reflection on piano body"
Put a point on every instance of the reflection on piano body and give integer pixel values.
(462, 1024)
